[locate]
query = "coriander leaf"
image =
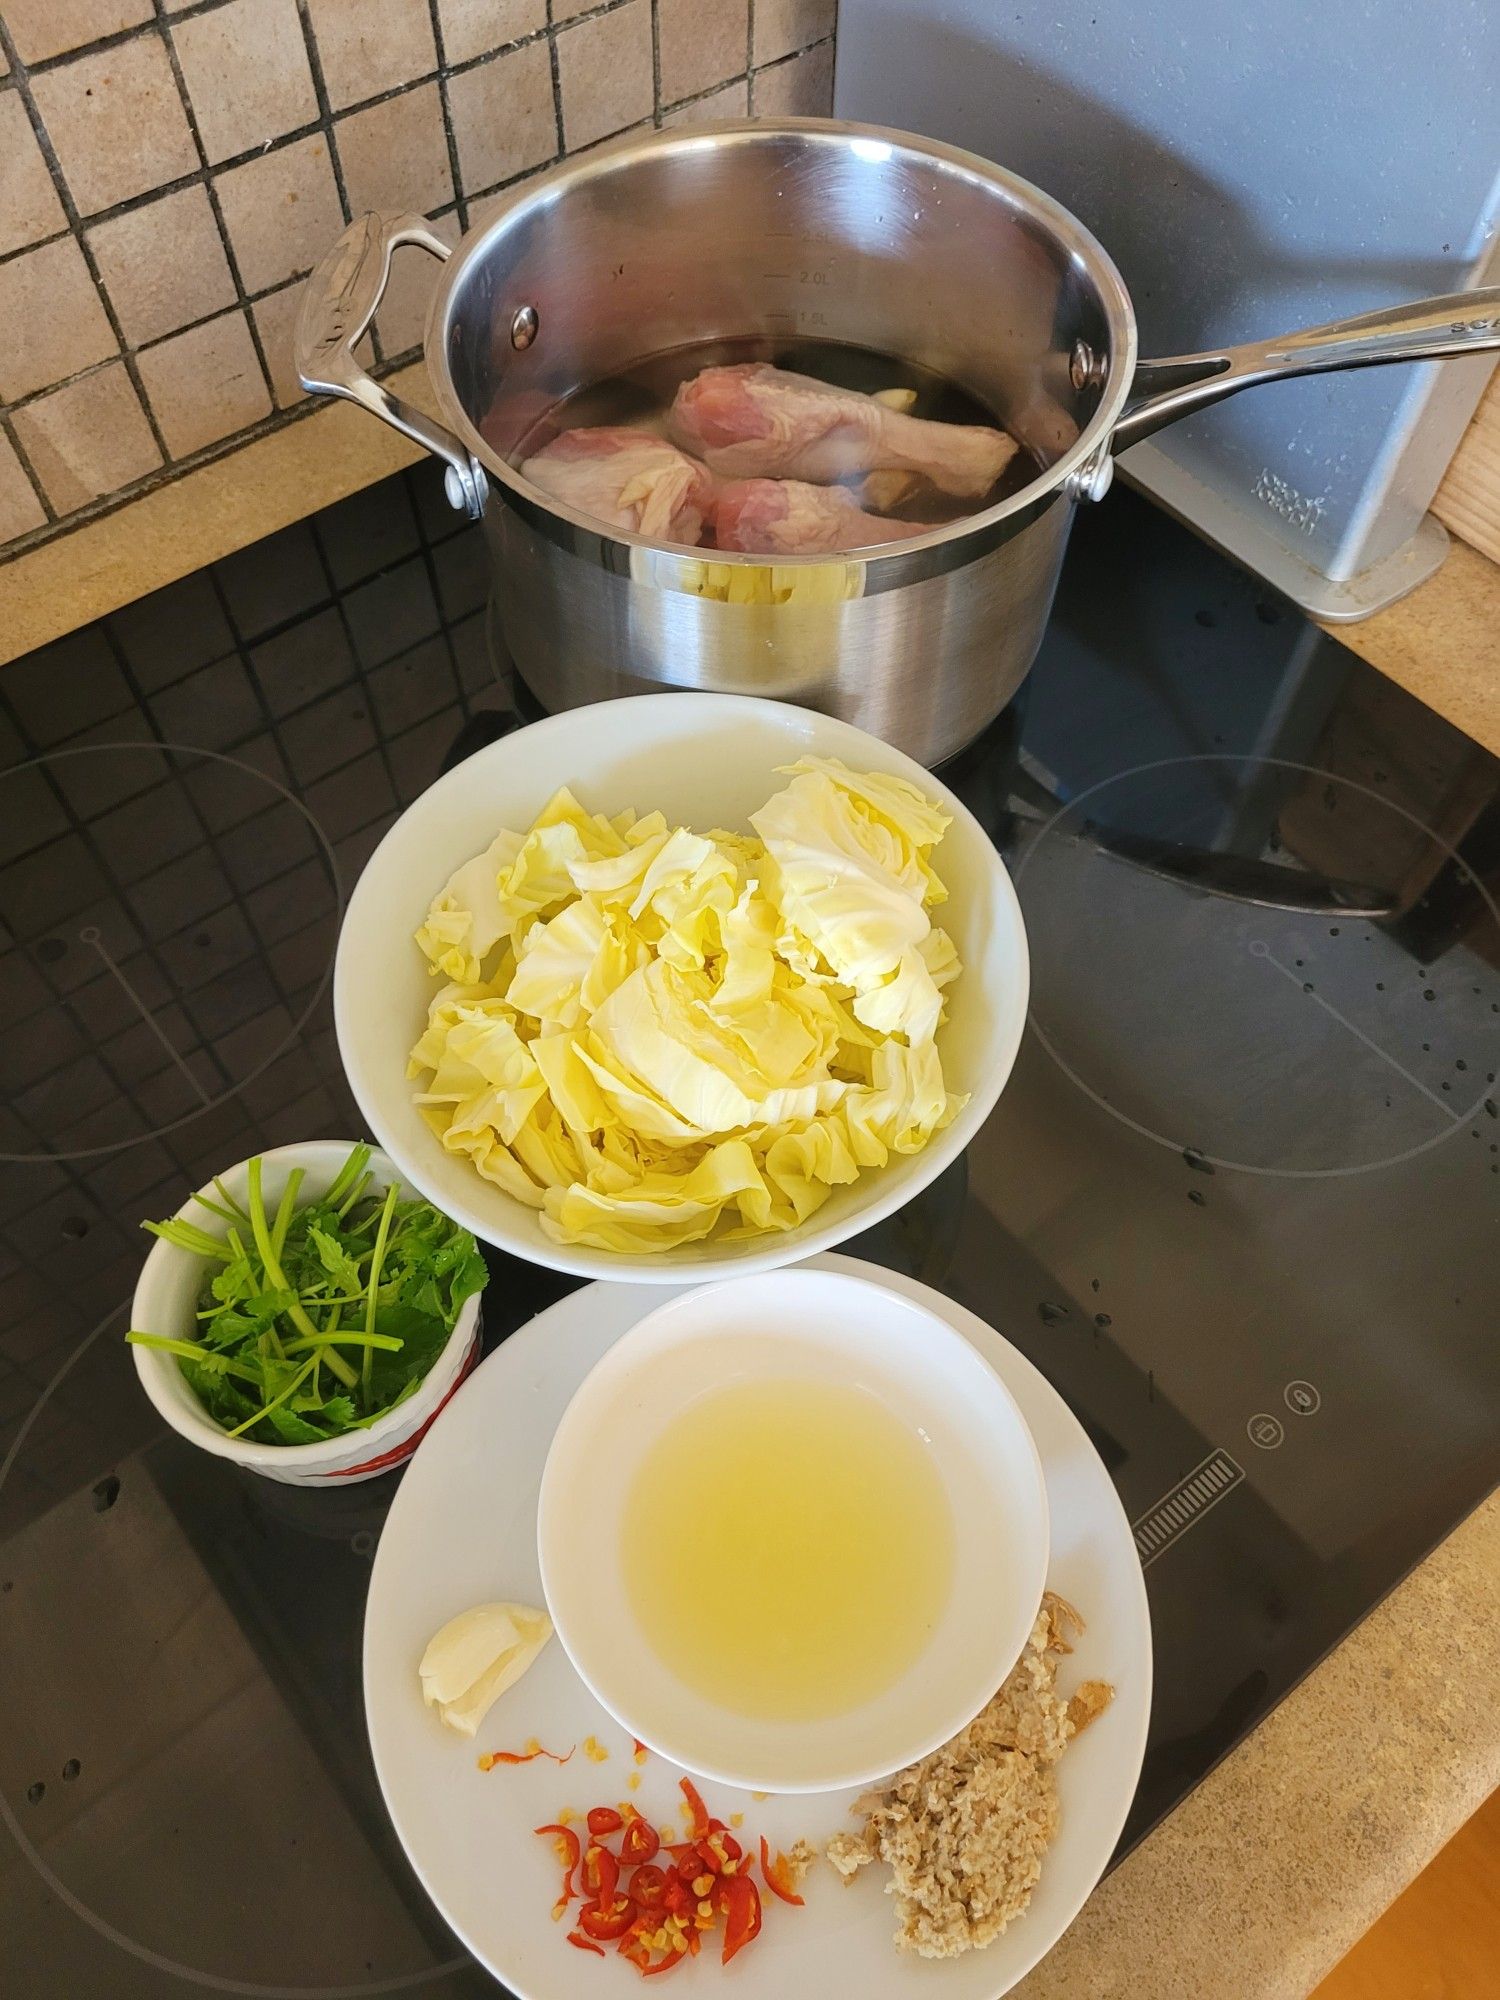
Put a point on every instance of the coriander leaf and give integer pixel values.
(335, 1260)
(290, 1428)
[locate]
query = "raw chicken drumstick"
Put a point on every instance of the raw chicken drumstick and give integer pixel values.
(786, 517)
(752, 420)
(628, 479)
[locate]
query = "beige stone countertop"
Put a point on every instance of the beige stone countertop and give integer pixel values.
(1263, 1878)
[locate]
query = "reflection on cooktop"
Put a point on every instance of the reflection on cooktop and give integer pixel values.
(1308, 1042)
(173, 930)
(1234, 1201)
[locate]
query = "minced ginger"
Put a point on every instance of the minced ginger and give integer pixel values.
(964, 1831)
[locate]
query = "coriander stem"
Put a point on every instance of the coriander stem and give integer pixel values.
(284, 1210)
(268, 1256)
(336, 1362)
(377, 1258)
(224, 1214)
(276, 1401)
(352, 1196)
(189, 1350)
(188, 1236)
(352, 1170)
(228, 1199)
(386, 1341)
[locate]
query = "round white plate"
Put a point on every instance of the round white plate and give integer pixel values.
(462, 1529)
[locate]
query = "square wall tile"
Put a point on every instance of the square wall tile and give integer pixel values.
(800, 88)
(247, 74)
(51, 322)
(371, 529)
(370, 46)
(88, 438)
(568, 10)
(174, 630)
(733, 101)
(606, 71)
(307, 660)
(44, 28)
(395, 155)
(402, 319)
(272, 580)
(473, 28)
(504, 119)
(163, 265)
(20, 510)
(116, 122)
(29, 207)
(392, 612)
(703, 42)
(782, 26)
(281, 210)
(205, 384)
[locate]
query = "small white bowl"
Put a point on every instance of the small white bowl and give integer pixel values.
(704, 760)
(822, 1327)
(166, 1301)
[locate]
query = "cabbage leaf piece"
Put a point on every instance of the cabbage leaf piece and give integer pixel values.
(650, 1034)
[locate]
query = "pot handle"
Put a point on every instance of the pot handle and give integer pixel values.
(337, 307)
(1424, 330)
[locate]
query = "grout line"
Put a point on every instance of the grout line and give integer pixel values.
(556, 64)
(13, 438)
(325, 106)
(749, 58)
(702, 96)
(449, 136)
(656, 103)
(196, 179)
(245, 302)
(75, 222)
(210, 188)
(103, 43)
(100, 46)
(323, 124)
(41, 243)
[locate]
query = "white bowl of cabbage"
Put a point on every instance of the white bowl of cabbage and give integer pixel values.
(680, 986)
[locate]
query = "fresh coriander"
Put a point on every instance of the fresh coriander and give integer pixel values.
(277, 1287)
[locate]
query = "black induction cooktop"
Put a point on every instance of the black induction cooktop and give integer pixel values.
(1239, 1200)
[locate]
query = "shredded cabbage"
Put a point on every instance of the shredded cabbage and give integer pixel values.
(650, 1034)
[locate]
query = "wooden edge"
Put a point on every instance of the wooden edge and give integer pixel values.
(177, 528)
(1468, 501)
(1442, 643)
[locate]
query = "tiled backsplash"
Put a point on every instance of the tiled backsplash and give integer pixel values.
(170, 170)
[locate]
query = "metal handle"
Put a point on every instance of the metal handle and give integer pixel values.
(1425, 330)
(339, 303)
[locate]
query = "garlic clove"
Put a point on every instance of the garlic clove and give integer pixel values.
(465, 1655)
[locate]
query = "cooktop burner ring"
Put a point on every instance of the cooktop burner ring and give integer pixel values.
(1259, 951)
(147, 1954)
(47, 946)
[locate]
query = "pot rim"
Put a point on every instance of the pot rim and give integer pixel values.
(1079, 243)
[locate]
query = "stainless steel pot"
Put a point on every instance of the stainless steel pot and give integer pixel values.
(803, 229)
